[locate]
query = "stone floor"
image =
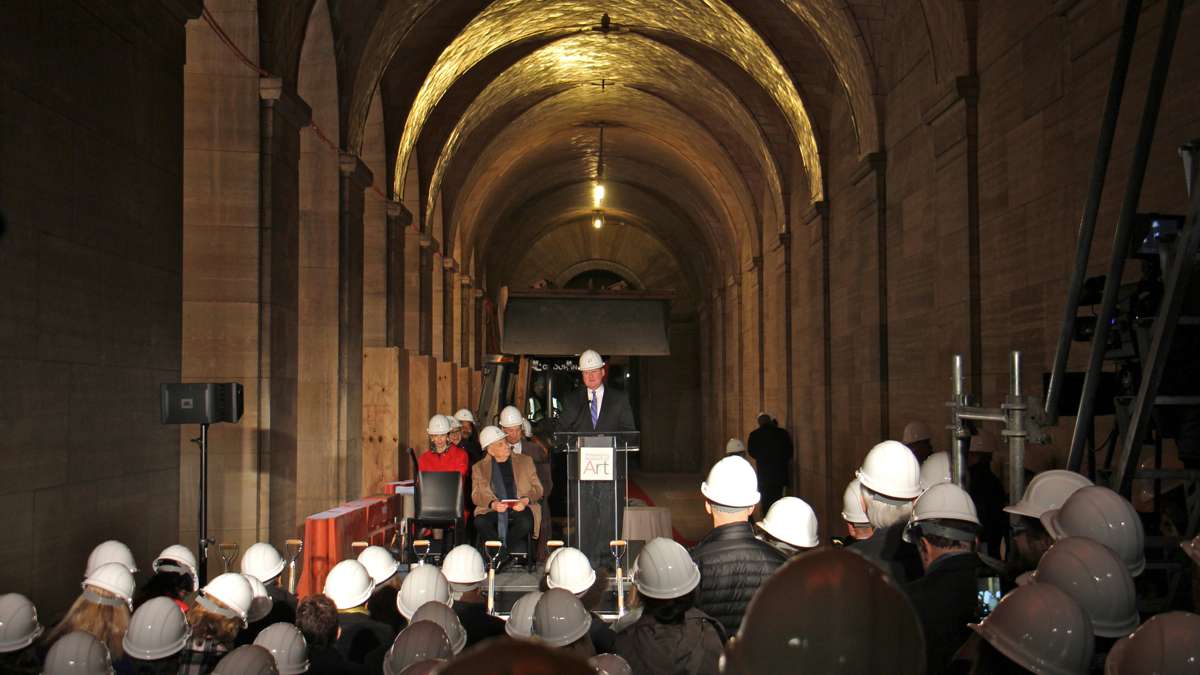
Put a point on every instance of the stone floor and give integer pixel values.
(679, 492)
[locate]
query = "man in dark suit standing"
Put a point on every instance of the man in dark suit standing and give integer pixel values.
(596, 408)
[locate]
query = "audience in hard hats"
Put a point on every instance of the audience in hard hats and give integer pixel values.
(944, 526)
(771, 448)
(216, 617)
(157, 634)
(102, 609)
(287, 646)
(350, 586)
(263, 562)
(506, 490)
(790, 526)
(858, 527)
(671, 635)
(317, 619)
(174, 577)
(383, 569)
(1047, 491)
(889, 483)
(733, 562)
(18, 634)
(918, 439)
(571, 570)
(560, 620)
(466, 572)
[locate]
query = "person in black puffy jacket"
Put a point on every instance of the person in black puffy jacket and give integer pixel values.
(733, 563)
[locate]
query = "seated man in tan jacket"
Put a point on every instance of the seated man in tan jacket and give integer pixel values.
(506, 490)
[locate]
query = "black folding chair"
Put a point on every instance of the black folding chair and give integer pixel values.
(437, 504)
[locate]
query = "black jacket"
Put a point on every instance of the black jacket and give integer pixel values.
(615, 413)
(477, 622)
(888, 549)
(691, 647)
(946, 600)
(603, 637)
(733, 564)
(360, 635)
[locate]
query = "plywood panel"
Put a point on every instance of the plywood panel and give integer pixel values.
(381, 417)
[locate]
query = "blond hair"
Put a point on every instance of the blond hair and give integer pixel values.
(105, 622)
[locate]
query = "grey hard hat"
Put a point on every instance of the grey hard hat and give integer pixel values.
(157, 630)
(559, 618)
(520, 619)
(19, 625)
(447, 619)
(78, 653)
(247, 660)
(420, 641)
(287, 645)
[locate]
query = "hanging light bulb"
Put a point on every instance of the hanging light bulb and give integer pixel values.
(597, 219)
(597, 194)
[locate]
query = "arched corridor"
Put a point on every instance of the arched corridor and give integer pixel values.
(330, 201)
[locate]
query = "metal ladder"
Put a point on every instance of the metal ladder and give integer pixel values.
(1153, 337)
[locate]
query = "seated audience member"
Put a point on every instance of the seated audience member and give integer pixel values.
(317, 619)
(154, 643)
(101, 610)
(733, 563)
(18, 634)
(889, 483)
(350, 587)
(672, 636)
(215, 618)
(505, 489)
(465, 570)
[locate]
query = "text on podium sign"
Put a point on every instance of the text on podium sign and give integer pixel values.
(596, 463)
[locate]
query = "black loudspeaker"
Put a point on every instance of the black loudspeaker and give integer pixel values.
(201, 403)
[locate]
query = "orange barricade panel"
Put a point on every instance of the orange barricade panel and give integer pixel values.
(328, 535)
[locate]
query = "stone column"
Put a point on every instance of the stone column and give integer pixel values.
(282, 115)
(449, 291)
(355, 178)
(398, 220)
(874, 170)
(425, 317)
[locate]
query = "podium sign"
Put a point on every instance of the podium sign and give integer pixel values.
(596, 463)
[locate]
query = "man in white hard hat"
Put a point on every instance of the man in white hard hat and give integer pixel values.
(596, 407)
(771, 448)
(470, 440)
(918, 439)
(506, 491)
(944, 527)
(889, 483)
(733, 562)
(513, 424)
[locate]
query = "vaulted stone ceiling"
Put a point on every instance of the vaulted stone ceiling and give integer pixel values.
(714, 114)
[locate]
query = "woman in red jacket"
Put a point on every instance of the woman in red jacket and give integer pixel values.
(442, 455)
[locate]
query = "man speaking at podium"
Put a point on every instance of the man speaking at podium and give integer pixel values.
(596, 408)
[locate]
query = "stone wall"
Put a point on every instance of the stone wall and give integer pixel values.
(90, 268)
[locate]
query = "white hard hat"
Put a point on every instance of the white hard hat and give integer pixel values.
(570, 570)
(261, 604)
(438, 425)
(1096, 579)
(1166, 644)
(465, 415)
(1047, 491)
(559, 618)
(380, 563)
(734, 446)
(114, 578)
(610, 664)
(916, 431)
(511, 417)
(852, 509)
(19, 625)
(78, 653)
(792, 521)
(520, 618)
(424, 583)
(453, 422)
(935, 469)
(420, 641)
(179, 559)
(349, 584)
(157, 630)
(526, 429)
(664, 570)
(109, 552)
(489, 435)
(287, 645)
(247, 660)
(590, 360)
(731, 482)
(464, 565)
(231, 590)
(445, 617)
(1041, 629)
(943, 502)
(891, 469)
(263, 562)
(1098, 513)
